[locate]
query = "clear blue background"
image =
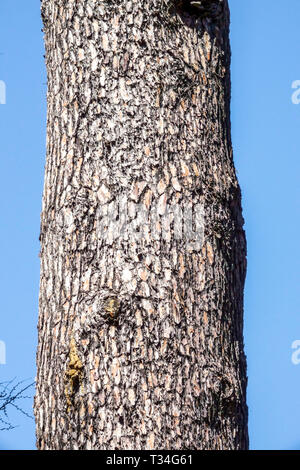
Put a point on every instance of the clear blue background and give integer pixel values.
(265, 128)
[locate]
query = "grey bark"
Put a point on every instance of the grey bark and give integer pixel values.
(140, 322)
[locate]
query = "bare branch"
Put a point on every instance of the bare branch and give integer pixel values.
(11, 393)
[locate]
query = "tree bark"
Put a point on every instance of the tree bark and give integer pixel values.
(143, 253)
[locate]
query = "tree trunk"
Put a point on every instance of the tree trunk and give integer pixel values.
(143, 252)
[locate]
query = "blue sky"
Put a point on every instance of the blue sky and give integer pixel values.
(265, 127)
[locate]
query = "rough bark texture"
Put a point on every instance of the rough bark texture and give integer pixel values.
(140, 329)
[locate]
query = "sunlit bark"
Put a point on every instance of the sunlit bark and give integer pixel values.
(143, 252)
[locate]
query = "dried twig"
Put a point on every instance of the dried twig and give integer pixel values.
(11, 393)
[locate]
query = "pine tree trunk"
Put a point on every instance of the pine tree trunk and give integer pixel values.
(143, 252)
